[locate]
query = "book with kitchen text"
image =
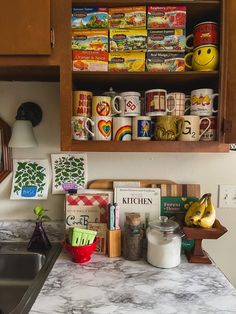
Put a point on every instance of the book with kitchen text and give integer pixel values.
(145, 201)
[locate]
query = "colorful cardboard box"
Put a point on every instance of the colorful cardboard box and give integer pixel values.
(92, 40)
(90, 60)
(128, 17)
(89, 17)
(172, 40)
(166, 17)
(165, 61)
(127, 61)
(128, 40)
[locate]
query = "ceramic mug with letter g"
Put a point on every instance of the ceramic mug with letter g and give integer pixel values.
(191, 128)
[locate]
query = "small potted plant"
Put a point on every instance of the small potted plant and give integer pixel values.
(39, 239)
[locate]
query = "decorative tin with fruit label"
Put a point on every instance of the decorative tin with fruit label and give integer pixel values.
(166, 17)
(166, 40)
(89, 17)
(128, 17)
(165, 61)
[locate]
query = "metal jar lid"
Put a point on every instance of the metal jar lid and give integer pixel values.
(164, 224)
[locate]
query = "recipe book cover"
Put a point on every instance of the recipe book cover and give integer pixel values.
(145, 201)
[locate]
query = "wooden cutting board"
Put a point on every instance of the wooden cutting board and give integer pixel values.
(108, 183)
(192, 190)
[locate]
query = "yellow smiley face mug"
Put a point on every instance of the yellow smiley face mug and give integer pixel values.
(203, 58)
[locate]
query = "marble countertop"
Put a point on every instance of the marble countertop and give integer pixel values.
(114, 285)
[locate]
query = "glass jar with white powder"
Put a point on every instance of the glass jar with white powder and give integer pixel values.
(164, 243)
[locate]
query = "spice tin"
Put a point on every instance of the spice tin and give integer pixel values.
(128, 17)
(89, 17)
(165, 61)
(128, 40)
(93, 40)
(90, 60)
(166, 39)
(166, 17)
(127, 61)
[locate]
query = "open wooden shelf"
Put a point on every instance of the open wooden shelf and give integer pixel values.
(148, 146)
(146, 80)
(112, 3)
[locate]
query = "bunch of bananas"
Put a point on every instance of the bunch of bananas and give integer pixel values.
(201, 213)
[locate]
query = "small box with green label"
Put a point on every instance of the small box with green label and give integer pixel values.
(174, 205)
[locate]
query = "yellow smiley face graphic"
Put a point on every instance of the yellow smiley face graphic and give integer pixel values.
(204, 58)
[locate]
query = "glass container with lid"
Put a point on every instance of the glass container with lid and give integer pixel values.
(164, 243)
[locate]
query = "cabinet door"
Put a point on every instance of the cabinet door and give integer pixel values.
(229, 71)
(25, 27)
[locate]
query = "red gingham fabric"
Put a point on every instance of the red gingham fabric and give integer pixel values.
(87, 199)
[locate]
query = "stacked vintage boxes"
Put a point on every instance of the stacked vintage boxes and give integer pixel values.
(129, 39)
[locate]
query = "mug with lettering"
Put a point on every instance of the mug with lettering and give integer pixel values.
(156, 102)
(82, 103)
(205, 33)
(122, 129)
(101, 128)
(210, 134)
(177, 104)
(191, 128)
(142, 128)
(168, 128)
(129, 104)
(78, 128)
(202, 101)
(101, 106)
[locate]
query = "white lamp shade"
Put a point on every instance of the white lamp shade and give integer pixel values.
(22, 135)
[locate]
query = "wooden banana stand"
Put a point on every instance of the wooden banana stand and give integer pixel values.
(198, 255)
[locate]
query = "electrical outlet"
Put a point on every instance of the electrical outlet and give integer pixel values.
(227, 196)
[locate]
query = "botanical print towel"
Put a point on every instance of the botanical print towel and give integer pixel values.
(68, 169)
(30, 179)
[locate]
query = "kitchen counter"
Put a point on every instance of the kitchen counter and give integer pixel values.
(114, 285)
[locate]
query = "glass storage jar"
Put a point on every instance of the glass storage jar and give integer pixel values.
(164, 243)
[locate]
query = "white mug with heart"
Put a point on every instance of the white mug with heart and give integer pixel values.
(101, 128)
(129, 104)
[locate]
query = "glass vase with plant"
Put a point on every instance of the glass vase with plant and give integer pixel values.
(39, 240)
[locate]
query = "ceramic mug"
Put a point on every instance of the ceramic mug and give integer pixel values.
(202, 101)
(78, 128)
(142, 128)
(168, 128)
(179, 105)
(101, 128)
(203, 58)
(210, 134)
(205, 33)
(82, 103)
(129, 104)
(191, 128)
(101, 106)
(156, 102)
(122, 129)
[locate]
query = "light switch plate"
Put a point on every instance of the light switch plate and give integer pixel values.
(227, 196)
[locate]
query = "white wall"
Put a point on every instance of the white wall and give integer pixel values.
(207, 169)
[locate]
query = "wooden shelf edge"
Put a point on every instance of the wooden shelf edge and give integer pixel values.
(143, 74)
(141, 2)
(149, 146)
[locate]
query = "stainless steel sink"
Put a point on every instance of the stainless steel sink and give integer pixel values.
(22, 275)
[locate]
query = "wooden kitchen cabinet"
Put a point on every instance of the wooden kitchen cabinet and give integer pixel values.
(222, 81)
(25, 27)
